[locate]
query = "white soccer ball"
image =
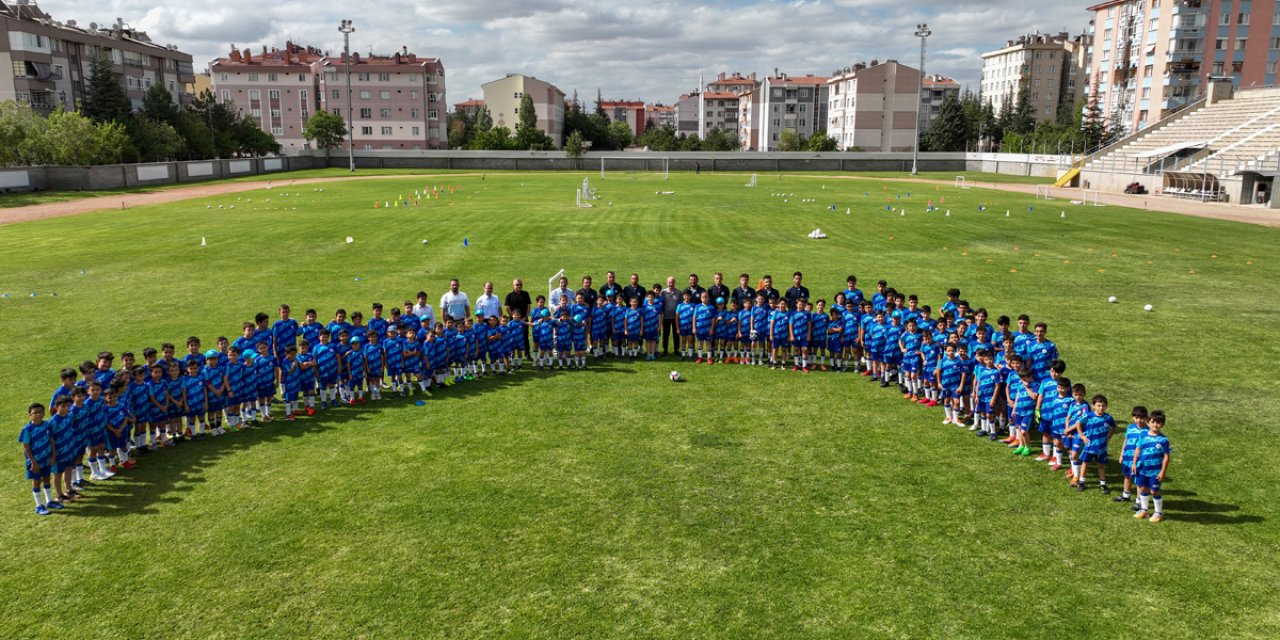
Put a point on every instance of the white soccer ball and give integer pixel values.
(675, 376)
(1148, 308)
(350, 239)
(1112, 299)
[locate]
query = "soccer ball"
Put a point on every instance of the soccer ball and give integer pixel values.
(1148, 308)
(675, 376)
(1112, 299)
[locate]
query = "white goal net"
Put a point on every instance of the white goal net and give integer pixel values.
(634, 167)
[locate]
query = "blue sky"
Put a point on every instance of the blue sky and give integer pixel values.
(651, 51)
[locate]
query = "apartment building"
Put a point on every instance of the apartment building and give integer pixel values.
(872, 107)
(51, 59)
(935, 89)
(277, 88)
(782, 103)
(659, 116)
(397, 100)
(1149, 58)
(503, 96)
(1047, 66)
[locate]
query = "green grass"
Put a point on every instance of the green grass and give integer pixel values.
(613, 503)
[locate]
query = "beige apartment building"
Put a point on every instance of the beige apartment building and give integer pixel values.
(1050, 67)
(873, 107)
(502, 98)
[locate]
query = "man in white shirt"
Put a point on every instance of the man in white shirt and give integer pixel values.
(488, 305)
(454, 303)
(424, 311)
(563, 293)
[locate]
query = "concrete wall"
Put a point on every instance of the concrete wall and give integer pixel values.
(1018, 164)
(116, 176)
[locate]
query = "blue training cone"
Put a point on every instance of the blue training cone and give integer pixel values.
(464, 242)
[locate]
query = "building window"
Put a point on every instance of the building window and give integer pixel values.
(274, 94)
(337, 111)
(518, 95)
(222, 77)
(226, 95)
(385, 95)
(277, 131)
(366, 114)
(336, 95)
(386, 131)
(302, 77)
(273, 77)
(384, 112)
(416, 131)
(253, 77)
(432, 114)
(366, 131)
(1240, 44)
(413, 113)
(1242, 19)
(254, 95)
(362, 77)
(384, 77)
(364, 95)
(413, 95)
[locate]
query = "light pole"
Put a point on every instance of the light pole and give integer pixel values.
(347, 29)
(922, 32)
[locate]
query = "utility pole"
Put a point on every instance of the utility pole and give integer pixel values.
(922, 32)
(347, 29)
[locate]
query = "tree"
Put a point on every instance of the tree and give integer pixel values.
(820, 142)
(220, 119)
(574, 146)
(660, 139)
(720, 140)
(495, 139)
(528, 135)
(21, 133)
(73, 139)
(950, 130)
(1022, 119)
(789, 140)
(690, 142)
(251, 140)
(326, 130)
(620, 134)
(153, 140)
(197, 139)
(158, 105)
(462, 128)
(600, 105)
(104, 100)
(484, 121)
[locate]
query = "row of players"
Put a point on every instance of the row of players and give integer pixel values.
(1005, 390)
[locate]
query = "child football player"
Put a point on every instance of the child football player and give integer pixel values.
(38, 449)
(1095, 431)
(1150, 464)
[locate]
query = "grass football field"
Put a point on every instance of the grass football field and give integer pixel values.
(613, 503)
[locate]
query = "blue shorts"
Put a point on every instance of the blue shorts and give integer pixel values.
(356, 383)
(802, 343)
(684, 329)
(114, 442)
(266, 391)
(46, 468)
(834, 345)
(291, 394)
(1094, 456)
(1043, 426)
(648, 335)
(392, 371)
(704, 336)
(195, 412)
(1126, 471)
(911, 365)
(580, 344)
(1151, 483)
(544, 345)
(63, 465)
(981, 408)
(1021, 421)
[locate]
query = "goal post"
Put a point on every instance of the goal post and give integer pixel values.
(755, 177)
(635, 167)
(962, 182)
(1043, 192)
(1090, 198)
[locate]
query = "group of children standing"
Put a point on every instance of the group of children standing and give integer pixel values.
(1001, 383)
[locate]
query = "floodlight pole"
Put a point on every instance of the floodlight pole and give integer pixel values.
(347, 29)
(922, 32)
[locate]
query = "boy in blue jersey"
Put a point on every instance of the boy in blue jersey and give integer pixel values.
(543, 336)
(704, 319)
(909, 346)
(684, 325)
(196, 401)
(966, 391)
(216, 388)
(1150, 464)
(307, 364)
(63, 457)
(194, 353)
(651, 323)
(355, 365)
(1095, 431)
(873, 344)
(411, 369)
(578, 333)
(1046, 391)
(290, 381)
(1039, 352)
(835, 339)
(779, 335)
(819, 323)
(1010, 375)
(235, 390)
(617, 326)
(266, 375)
(930, 354)
(284, 332)
(1022, 403)
(393, 353)
(68, 377)
(310, 329)
(950, 374)
(339, 324)
(1077, 410)
(93, 432)
(799, 335)
(116, 421)
(891, 354)
(158, 405)
(1054, 405)
(36, 438)
(760, 330)
(140, 410)
(246, 342)
(378, 323)
(720, 330)
(375, 363)
(516, 331)
(564, 335)
(984, 391)
(1132, 434)
(632, 327)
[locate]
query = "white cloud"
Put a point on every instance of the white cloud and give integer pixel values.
(652, 51)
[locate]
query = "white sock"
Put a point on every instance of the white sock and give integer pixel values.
(1142, 501)
(35, 493)
(1159, 500)
(48, 497)
(1046, 448)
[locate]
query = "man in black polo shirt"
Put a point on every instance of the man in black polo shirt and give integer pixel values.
(610, 288)
(744, 291)
(797, 291)
(718, 290)
(633, 290)
(518, 300)
(770, 294)
(589, 295)
(695, 290)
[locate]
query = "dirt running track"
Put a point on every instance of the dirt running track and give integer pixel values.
(1218, 211)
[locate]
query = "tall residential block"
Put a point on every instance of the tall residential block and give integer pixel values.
(935, 90)
(659, 116)
(398, 100)
(1149, 58)
(1049, 67)
(783, 104)
(277, 88)
(51, 60)
(631, 112)
(502, 97)
(873, 107)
